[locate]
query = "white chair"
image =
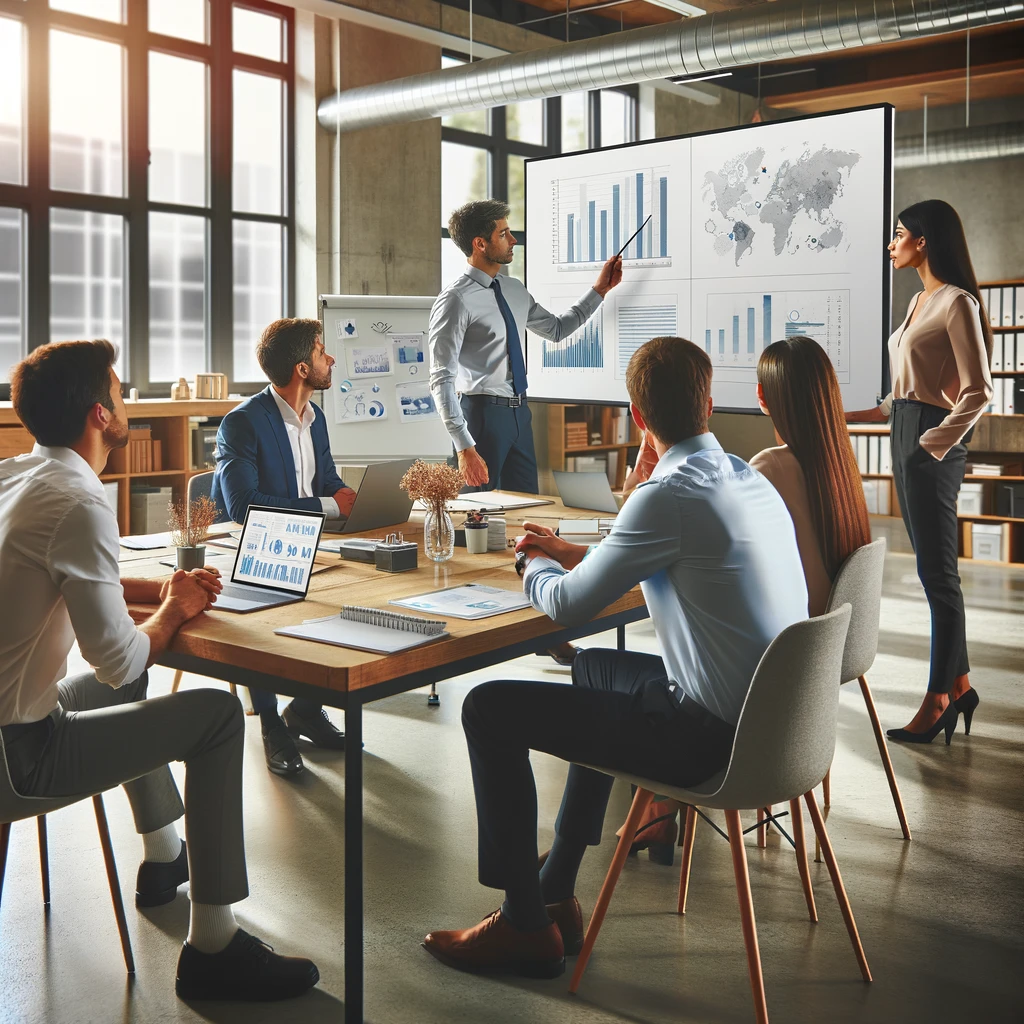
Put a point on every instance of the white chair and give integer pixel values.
(199, 486)
(784, 744)
(15, 807)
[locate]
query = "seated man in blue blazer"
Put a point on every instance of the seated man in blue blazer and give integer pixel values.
(274, 450)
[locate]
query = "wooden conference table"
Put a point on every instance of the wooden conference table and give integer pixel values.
(243, 649)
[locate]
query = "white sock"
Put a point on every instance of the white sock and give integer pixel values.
(211, 926)
(163, 845)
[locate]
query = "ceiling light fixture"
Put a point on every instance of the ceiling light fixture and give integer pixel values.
(679, 7)
(687, 79)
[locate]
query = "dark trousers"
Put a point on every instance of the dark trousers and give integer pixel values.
(504, 439)
(264, 700)
(100, 737)
(927, 490)
(618, 714)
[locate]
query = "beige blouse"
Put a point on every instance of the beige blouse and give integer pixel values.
(783, 471)
(941, 360)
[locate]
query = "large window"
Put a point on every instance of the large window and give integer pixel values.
(483, 152)
(145, 181)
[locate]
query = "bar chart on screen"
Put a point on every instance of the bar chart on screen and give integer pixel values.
(595, 215)
(580, 351)
(739, 326)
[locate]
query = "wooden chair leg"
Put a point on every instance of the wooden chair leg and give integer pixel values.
(796, 813)
(762, 830)
(5, 840)
(883, 750)
(837, 884)
(44, 858)
(115, 885)
(689, 830)
(177, 681)
(826, 788)
(641, 800)
(739, 867)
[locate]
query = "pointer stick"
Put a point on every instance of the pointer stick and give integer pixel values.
(632, 236)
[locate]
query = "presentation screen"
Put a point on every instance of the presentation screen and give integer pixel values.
(752, 235)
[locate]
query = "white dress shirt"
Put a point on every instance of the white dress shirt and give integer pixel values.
(712, 545)
(301, 439)
(468, 344)
(60, 581)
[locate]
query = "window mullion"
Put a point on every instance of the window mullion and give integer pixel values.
(219, 240)
(37, 263)
(137, 285)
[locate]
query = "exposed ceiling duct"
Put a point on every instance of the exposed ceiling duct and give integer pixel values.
(692, 46)
(959, 145)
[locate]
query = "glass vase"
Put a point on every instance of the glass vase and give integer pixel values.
(438, 535)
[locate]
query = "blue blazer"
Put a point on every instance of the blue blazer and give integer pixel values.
(255, 464)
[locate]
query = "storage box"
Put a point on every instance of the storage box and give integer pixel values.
(149, 509)
(971, 500)
(988, 541)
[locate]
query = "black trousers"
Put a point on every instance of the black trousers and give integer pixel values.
(618, 714)
(504, 439)
(927, 490)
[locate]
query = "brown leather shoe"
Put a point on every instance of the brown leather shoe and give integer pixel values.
(569, 918)
(494, 945)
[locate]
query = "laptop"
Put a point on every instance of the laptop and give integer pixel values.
(586, 490)
(274, 560)
(379, 500)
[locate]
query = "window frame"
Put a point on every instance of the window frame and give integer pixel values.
(35, 198)
(500, 147)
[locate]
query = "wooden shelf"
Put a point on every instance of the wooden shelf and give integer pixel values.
(990, 519)
(170, 423)
(598, 418)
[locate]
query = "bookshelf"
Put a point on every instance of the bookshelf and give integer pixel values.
(169, 423)
(998, 437)
(591, 430)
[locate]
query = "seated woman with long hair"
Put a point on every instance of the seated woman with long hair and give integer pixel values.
(814, 468)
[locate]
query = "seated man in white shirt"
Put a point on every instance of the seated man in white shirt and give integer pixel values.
(713, 547)
(84, 734)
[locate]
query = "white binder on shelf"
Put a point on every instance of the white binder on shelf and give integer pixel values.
(997, 353)
(885, 457)
(1018, 306)
(1019, 350)
(995, 310)
(1007, 307)
(861, 447)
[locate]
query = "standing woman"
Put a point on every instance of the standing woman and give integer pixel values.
(939, 358)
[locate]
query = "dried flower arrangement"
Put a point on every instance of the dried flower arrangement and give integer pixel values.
(190, 520)
(433, 483)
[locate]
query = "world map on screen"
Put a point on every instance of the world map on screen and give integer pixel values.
(788, 203)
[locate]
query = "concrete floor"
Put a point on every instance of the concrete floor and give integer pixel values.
(941, 918)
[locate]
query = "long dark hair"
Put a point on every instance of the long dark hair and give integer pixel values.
(802, 395)
(950, 262)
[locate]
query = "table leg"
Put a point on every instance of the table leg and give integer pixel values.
(620, 637)
(354, 861)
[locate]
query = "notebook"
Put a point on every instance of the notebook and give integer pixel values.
(368, 629)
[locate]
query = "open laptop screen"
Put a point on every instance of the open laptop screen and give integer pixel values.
(276, 549)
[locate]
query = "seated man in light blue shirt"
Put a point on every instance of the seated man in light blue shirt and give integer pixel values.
(713, 547)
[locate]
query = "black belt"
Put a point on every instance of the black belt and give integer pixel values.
(923, 405)
(510, 403)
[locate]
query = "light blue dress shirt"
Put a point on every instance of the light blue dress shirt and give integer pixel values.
(468, 345)
(714, 549)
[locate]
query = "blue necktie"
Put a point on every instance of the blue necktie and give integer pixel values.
(515, 348)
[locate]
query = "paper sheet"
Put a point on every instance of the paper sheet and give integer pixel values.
(472, 601)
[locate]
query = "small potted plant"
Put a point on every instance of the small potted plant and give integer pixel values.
(190, 522)
(435, 484)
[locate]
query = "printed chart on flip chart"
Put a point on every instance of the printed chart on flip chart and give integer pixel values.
(750, 235)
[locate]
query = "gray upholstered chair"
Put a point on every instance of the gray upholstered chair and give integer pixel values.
(784, 744)
(14, 807)
(200, 485)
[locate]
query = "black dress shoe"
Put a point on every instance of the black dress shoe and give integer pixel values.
(246, 969)
(283, 757)
(319, 729)
(157, 882)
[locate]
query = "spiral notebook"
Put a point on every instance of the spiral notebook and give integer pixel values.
(368, 629)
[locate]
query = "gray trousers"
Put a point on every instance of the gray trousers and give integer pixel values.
(100, 737)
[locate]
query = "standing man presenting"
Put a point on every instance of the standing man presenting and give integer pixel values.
(477, 369)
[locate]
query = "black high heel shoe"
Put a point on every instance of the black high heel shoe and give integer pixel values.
(947, 721)
(966, 704)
